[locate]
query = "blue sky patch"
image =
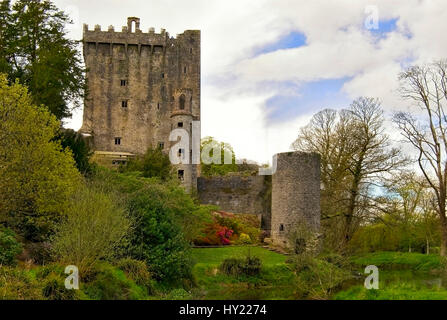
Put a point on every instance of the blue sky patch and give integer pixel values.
(292, 40)
(385, 26)
(311, 97)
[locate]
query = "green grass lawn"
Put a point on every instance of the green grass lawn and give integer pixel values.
(215, 256)
(276, 280)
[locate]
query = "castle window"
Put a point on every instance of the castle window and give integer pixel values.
(184, 69)
(181, 152)
(118, 141)
(161, 145)
(181, 175)
(123, 83)
(158, 105)
(281, 227)
(162, 75)
(182, 102)
(190, 50)
(180, 124)
(124, 104)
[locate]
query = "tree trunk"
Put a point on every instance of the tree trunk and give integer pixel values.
(443, 236)
(443, 225)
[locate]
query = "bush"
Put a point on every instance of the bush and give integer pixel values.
(40, 252)
(9, 247)
(17, 284)
(154, 163)
(111, 283)
(317, 278)
(54, 288)
(93, 229)
(158, 236)
(37, 175)
(244, 238)
(250, 266)
(79, 147)
(230, 266)
(137, 271)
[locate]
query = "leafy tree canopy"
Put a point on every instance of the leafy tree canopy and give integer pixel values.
(34, 49)
(37, 175)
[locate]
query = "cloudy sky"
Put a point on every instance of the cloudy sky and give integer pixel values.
(268, 65)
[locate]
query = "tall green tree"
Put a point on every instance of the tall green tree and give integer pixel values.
(426, 87)
(37, 175)
(355, 153)
(221, 156)
(34, 48)
(80, 148)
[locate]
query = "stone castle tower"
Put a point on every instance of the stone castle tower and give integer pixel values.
(141, 86)
(295, 196)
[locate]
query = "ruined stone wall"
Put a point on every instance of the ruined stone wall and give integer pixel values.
(161, 88)
(295, 195)
(238, 194)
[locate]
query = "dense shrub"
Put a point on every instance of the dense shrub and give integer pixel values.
(18, 284)
(158, 237)
(94, 227)
(80, 148)
(111, 283)
(54, 288)
(137, 271)
(317, 278)
(40, 252)
(9, 247)
(37, 175)
(230, 266)
(248, 266)
(227, 228)
(154, 163)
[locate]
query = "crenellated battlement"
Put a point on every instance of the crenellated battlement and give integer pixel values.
(130, 34)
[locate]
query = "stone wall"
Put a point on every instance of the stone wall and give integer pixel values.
(295, 195)
(141, 86)
(238, 194)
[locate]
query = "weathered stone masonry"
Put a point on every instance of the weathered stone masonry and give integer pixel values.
(141, 86)
(238, 194)
(295, 194)
(289, 198)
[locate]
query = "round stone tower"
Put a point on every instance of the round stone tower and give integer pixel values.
(295, 196)
(182, 118)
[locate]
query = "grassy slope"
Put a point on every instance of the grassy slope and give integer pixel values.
(403, 276)
(276, 281)
(399, 260)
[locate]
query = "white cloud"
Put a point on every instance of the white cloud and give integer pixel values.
(236, 85)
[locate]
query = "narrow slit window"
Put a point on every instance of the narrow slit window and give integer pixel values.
(281, 227)
(184, 69)
(182, 102)
(124, 104)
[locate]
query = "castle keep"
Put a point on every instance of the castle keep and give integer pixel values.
(141, 86)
